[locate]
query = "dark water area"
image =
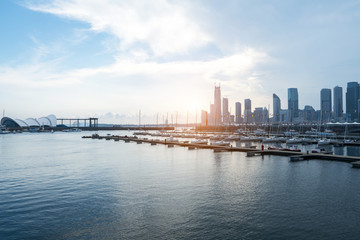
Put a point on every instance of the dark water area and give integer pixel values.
(59, 186)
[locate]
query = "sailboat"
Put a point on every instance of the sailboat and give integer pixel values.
(345, 135)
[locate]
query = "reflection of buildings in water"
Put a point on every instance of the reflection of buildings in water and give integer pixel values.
(353, 151)
(339, 150)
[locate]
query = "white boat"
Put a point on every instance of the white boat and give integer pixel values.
(308, 140)
(273, 139)
(220, 143)
(157, 134)
(4, 131)
(171, 139)
(72, 130)
(324, 141)
(291, 133)
(216, 137)
(200, 141)
(294, 141)
(320, 150)
(141, 133)
(251, 138)
(202, 137)
(259, 132)
(232, 138)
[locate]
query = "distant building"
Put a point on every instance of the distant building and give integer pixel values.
(352, 96)
(338, 103)
(309, 114)
(247, 110)
(258, 115)
(284, 115)
(211, 119)
(48, 121)
(318, 115)
(238, 112)
(232, 118)
(217, 103)
(293, 104)
(276, 108)
(226, 117)
(204, 118)
(358, 110)
(325, 104)
(265, 115)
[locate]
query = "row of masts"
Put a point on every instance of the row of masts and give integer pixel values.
(165, 121)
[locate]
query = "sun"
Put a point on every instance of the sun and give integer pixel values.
(193, 105)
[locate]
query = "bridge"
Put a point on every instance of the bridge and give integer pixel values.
(79, 122)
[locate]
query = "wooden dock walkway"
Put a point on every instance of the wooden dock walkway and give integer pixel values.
(294, 156)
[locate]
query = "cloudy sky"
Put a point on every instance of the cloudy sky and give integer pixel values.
(110, 58)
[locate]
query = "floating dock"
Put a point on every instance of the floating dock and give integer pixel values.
(294, 156)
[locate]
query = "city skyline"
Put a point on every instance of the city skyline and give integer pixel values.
(331, 108)
(109, 59)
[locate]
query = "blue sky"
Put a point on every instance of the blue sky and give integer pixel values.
(79, 58)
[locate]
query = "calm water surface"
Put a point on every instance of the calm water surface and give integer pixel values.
(59, 186)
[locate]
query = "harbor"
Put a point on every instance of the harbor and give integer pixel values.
(294, 154)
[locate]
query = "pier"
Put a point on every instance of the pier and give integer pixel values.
(76, 122)
(251, 152)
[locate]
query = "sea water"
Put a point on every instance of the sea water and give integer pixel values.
(60, 186)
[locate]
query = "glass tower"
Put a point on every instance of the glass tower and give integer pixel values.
(293, 103)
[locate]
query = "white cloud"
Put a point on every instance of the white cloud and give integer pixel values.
(163, 26)
(180, 83)
(40, 75)
(139, 81)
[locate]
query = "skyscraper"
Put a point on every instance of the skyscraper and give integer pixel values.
(293, 104)
(204, 118)
(238, 112)
(338, 102)
(247, 110)
(217, 103)
(226, 114)
(352, 95)
(265, 115)
(258, 115)
(212, 115)
(309, 114)
(325, 104)
(276, 108)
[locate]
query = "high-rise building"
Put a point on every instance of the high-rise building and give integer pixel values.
(238, 112)
(309, 114)
(276, 108)
(217, 103)
(325, 104)
(338, 103)
(212, 115)
(265, 115)
(352, 95)
(247, 110)
(226, 118)
(293, 104)
(204, 118)
(258, 115)
(284, 115)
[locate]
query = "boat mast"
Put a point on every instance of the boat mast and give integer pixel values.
(139, 117)
(187, 119)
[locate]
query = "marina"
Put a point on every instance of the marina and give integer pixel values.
(294, 153)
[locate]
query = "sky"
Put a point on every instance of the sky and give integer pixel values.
(112, 58)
